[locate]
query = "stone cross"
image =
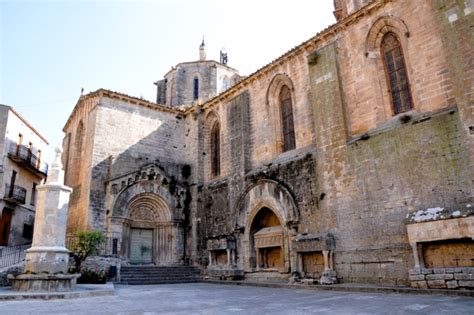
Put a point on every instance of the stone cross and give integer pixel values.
(46, 262)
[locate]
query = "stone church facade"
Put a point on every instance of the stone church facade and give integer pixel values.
(314, 166)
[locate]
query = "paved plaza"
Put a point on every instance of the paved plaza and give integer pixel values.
(203, 298)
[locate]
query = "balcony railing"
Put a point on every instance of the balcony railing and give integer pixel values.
(24, 156)
(12, 255)
(15, 194)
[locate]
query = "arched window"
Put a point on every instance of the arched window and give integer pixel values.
(288, 128)
(78, 143)
(215, 148)
(79, 138)
(196, 88)
(395, 69)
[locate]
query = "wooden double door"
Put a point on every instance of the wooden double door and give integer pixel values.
(153, 245)
(141, 246)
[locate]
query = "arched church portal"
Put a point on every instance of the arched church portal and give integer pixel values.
(267, 212)
(149, 235)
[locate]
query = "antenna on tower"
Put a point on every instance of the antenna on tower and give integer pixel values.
(223, 54)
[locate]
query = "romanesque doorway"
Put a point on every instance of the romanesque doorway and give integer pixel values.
(266, 240)
(152, 236)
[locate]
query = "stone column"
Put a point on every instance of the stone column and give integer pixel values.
(46, 262)
(416, 256)
(326, 260)
(229, 257)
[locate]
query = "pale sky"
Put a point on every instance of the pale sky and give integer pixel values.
(49, 50)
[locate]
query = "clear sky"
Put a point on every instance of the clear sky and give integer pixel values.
(49, 50)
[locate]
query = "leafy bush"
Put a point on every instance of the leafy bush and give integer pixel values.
(86, 243)
(96, 275)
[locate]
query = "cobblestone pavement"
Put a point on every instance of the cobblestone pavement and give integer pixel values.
(203, 298)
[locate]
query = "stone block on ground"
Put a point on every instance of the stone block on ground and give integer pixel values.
(466, 283)
(437, 284)
(447, 276)
(416, 277)
(419, 284)
(464, 276)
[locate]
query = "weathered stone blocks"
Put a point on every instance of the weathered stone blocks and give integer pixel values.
(452, 278)
(436, 284)
(419, 284)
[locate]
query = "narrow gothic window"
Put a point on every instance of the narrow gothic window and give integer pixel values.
(196, 88)
(79, 138)
(286, 109)
(396, 74)
(215, 150)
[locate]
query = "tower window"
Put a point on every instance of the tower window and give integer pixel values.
(288, 128)
(196, 88)
(397, 78)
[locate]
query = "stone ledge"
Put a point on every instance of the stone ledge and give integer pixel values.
(350, 287)
(82, 290)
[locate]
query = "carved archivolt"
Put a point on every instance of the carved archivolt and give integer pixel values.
(277, 82)
(270, 194)
(148, 207)
(382, 26)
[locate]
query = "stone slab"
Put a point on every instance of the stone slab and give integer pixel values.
(464, 276)
(416, 277)
(438, 276)
(437, 284)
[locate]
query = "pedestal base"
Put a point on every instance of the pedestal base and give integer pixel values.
(228, 273)
(328, 277)
(44, 282)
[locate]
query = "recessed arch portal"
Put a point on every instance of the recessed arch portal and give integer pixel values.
(267, 207)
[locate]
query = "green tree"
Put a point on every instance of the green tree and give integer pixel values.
(85, 244)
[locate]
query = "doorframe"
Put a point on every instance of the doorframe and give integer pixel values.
(10, 213)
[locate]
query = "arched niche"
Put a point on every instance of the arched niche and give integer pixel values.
(267, 196)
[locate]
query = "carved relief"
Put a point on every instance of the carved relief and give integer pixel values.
(143, 214)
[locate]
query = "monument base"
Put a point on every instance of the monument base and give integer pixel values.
(44, 282)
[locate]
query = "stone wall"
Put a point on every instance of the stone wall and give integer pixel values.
(442, 278)
(127, 137)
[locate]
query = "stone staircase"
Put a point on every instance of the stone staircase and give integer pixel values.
(158, 274)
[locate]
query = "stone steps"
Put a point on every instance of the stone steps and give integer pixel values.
(159, 274)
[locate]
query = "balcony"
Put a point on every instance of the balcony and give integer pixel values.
(15, 194)
(24, 157)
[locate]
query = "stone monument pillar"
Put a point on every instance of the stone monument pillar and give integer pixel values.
(46, 262)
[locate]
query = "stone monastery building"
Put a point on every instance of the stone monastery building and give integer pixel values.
(349, 158)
